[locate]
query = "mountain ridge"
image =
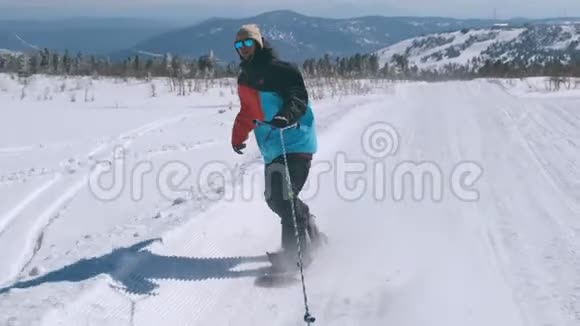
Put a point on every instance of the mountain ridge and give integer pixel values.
(292, 33)
(295, 36)
(538, 44)
(88, 35)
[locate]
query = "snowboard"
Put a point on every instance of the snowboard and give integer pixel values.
(279, 274)
(283, 274)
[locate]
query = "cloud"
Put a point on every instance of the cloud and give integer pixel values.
(329, 8)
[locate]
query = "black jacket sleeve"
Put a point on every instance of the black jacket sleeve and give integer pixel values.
(293, 92)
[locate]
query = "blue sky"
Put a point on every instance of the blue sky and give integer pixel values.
(338, 8)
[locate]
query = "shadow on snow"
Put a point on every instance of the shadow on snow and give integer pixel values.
(135, 269)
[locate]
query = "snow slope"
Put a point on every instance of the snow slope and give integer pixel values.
(491, 240)
(471, 48)
(427, 52)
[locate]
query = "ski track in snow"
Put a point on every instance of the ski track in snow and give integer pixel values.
(509, 258)
(34, 224)
(13, 213)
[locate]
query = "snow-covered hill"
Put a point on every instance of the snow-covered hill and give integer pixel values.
(8, 52)
(298, 37)
(446, 204)
(536, 44)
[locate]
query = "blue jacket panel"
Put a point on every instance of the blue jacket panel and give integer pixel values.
(301, 139)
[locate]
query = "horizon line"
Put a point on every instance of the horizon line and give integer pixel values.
(168, 17)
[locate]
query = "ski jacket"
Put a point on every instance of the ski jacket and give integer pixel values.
(268, 86)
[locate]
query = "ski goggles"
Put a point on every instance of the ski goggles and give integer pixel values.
(247, 43)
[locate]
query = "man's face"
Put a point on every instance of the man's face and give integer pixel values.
(246, 47)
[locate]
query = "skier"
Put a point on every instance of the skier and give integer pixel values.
(273, 91)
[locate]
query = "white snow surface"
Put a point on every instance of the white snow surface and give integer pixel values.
(420, 56)
(492, 239)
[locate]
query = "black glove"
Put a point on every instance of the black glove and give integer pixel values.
(280, 121)
(238, 148)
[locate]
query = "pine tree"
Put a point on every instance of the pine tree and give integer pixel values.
(24, 64)
(44, 61)
(55, 63)
(78, 65)
(136, 65)
(67, 62)
(34, 63)
(374, 65)
(401, 64)
(94, 65)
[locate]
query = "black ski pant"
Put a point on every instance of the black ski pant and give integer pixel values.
(278, 196)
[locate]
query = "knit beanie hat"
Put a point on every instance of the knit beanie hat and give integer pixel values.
(250, 31)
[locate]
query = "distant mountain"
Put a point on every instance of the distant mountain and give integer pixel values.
(532, 44)
(88, 35)
(297, 37)
(294, 36)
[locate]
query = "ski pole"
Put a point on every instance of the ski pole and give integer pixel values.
(308, 318)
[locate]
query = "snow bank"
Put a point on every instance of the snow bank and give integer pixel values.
(542, 87)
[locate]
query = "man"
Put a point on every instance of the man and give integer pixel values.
(272, 90)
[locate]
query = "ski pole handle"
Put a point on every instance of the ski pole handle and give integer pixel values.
(269, 123)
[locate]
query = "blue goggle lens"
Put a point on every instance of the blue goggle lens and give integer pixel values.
(248, 43)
